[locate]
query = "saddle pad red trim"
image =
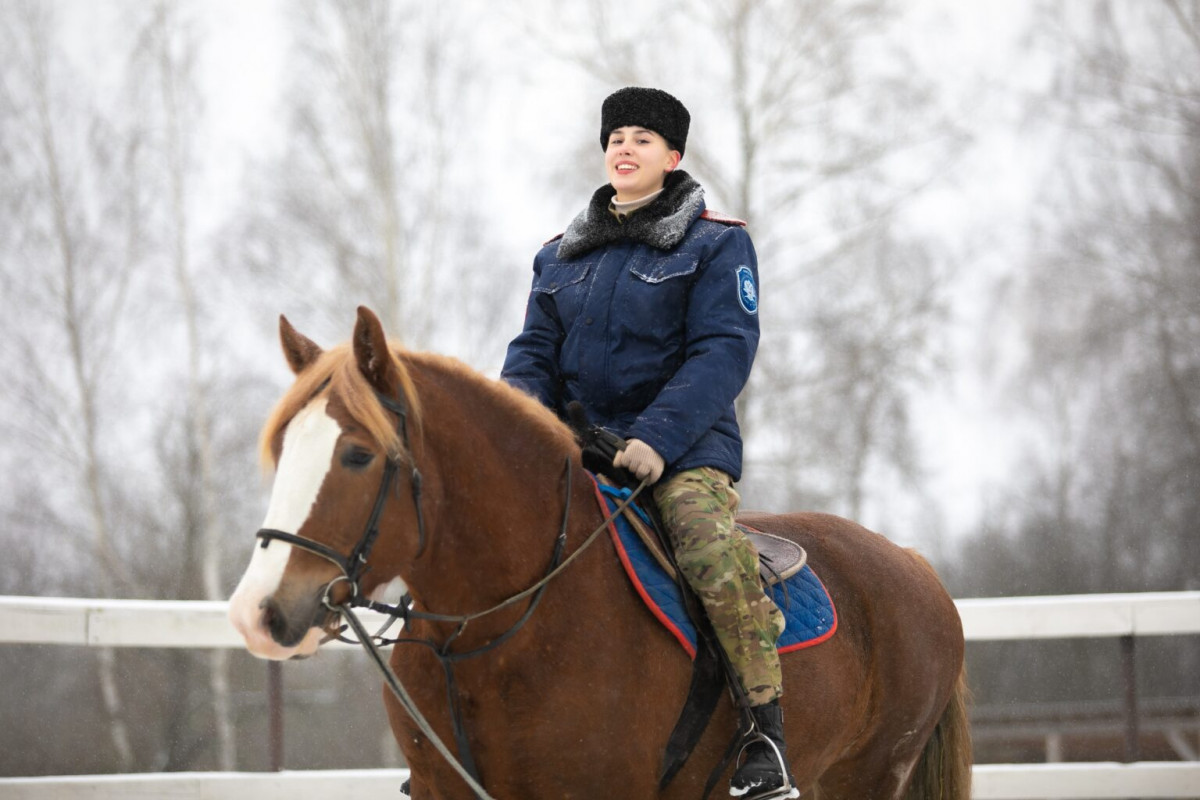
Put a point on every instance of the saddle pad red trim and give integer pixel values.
(688, 644)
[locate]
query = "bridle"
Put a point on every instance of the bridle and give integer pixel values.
(354, 566)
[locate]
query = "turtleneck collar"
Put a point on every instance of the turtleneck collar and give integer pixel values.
(623, 210)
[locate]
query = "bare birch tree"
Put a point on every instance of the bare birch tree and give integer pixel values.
(71, 188)
(1113, 289)
(376, 199)
(1108, 491)
(165, 57)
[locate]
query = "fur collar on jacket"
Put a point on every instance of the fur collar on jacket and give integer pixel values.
(662, 224)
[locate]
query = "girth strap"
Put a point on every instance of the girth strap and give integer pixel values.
(702, 697)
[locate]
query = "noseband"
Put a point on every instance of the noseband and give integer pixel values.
(354, 566)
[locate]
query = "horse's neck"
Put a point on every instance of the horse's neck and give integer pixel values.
(499, 476)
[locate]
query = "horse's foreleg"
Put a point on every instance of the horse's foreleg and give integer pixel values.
(414, 789)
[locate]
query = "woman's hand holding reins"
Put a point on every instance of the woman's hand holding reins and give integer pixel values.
(640, 459)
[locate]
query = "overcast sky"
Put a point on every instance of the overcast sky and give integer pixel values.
(973, 49)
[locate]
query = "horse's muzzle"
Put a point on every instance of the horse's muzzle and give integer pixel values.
(277, 629)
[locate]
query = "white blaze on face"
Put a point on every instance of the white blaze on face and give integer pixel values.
(303, 464)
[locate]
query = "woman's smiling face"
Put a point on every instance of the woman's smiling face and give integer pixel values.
(637, 161)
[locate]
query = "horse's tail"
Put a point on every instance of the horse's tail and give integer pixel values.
(944, 771)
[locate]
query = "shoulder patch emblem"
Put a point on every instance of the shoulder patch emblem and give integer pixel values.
(724, 219)
(747, 291)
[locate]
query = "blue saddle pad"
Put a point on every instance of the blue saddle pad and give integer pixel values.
(803, 599)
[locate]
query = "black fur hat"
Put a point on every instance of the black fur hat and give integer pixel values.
(652, 109)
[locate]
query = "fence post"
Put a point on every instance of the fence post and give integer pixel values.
(275, 714)
(1129, 674)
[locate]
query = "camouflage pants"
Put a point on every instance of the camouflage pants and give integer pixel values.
(721, 566)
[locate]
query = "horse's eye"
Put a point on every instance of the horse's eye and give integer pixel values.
(357, 458)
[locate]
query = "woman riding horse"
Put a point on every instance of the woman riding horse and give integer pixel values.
(646, 312)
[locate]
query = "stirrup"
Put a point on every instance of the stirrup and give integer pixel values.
(786, 790)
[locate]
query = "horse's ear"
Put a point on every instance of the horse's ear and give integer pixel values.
(371, 351)
(298, 349)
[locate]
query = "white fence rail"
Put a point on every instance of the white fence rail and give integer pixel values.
(1080, 616)
(179, 623)
(992, 782)
(127, 623)
(144, 623)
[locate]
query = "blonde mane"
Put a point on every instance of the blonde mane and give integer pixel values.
(337, 370)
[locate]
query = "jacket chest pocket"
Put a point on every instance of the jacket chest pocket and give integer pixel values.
(566, 286)
(655, 270)
(656, 295)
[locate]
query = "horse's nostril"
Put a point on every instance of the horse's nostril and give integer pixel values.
(273, 619)
(284, 622)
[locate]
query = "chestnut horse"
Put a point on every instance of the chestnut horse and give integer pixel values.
(579, 701)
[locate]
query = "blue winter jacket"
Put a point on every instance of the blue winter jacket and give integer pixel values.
(651, 324)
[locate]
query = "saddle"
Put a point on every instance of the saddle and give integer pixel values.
(808, 610)
(778, 558)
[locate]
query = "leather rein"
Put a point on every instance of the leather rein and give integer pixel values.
(354, 566)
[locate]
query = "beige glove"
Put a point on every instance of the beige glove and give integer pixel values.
(640, 459)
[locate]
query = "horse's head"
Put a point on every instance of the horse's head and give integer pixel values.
(335, 441)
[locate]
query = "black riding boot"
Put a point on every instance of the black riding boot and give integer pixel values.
(763, 773)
